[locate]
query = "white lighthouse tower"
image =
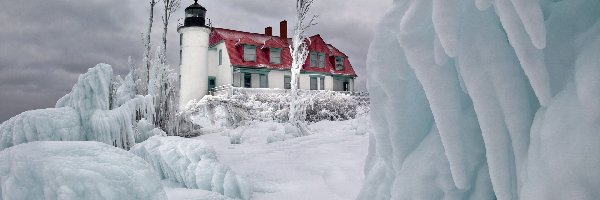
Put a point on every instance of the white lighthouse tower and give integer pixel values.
(194, 54)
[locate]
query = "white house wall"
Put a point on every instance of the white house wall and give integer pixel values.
(304, 82)
(255, 80)
(223, 72)
(276, 78)
(213, 60)
(237, 80)
(328, 83)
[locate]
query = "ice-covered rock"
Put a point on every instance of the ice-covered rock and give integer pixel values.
(75, 170)
(82, 115)
(470, 102)
(192, 163)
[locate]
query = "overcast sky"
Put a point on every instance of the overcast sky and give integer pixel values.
(46, 44)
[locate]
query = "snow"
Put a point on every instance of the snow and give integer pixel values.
(75, 170)
(324, 165)
(192, 163)
(508, 110)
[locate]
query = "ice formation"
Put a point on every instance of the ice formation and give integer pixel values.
(75, 170)
(192, 163)
(485, 99)
(82, 115)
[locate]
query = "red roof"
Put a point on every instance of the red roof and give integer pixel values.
(234, 39)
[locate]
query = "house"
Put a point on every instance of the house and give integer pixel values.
(212, 57)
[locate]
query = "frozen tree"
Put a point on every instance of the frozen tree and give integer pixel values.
(299, 51)
(170, 6)
(147, 43)
(162, 89)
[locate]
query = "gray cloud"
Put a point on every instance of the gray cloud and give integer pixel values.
(45, 45)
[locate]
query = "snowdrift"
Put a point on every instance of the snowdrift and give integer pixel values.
(192, 163)
(75, 170)
(82, 115)
(485, 99)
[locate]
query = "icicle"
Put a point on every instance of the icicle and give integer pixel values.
(532, 59)
(532, 18)
(440, 83)
(476, 48)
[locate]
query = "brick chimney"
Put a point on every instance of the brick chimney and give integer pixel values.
(283, 29)
(269, 31)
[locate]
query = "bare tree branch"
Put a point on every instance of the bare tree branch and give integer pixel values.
(170, 6)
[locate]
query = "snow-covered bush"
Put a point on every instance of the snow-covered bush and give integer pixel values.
(331, 106)
(266, 105)
(192, 163)
(485, 99)
(75, 170)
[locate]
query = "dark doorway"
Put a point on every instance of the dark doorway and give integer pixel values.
(248, 80)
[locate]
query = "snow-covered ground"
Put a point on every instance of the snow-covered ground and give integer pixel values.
(325, 165)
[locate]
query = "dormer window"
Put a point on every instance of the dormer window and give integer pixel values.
(249, 53)
(339, 63)
(317, 59)
(275, 55)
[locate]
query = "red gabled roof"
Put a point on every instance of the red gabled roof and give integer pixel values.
(233, 40)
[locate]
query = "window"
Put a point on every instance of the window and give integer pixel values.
(264, 82)
(249, 53)
(220, 57)
(275, 54)
(212, 83)
(313, 59)
(287, 82)
(248, 80)
(321, 60)
(339, 63)
(322, 85)
(317, 59)
(180, 39)
(313, 83)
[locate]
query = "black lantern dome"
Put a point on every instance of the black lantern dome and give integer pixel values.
(195, 15)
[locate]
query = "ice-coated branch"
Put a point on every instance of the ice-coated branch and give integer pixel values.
(146, 38)
(170, 6)
(299, 51)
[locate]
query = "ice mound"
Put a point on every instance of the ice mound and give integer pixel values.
(192, 163)
(485, 99)
(81, 115)
(53, 124)
(75, 170)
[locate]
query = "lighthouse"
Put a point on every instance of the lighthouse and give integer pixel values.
(194, 54)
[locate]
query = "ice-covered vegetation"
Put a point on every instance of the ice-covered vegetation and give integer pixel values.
(81, 115)
(271, 105)
(76, 170)
(194, 164)
(485, 99)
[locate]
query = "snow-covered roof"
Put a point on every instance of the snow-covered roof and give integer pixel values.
(234, 41)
